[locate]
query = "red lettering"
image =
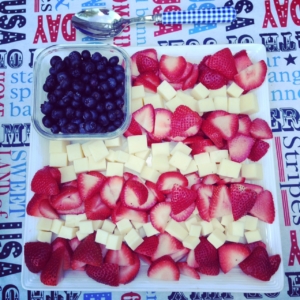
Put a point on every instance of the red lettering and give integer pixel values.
(40, 32)
(53, 26)
(295, 18)
(166, 1)
(119, 9)
(295, 251)
(120, 41)
(69, 34)
(1, 109)
(282, 12)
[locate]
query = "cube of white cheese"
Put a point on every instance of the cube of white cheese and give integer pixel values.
(111, 155)
(98, 150)
(160, 149)
(252, 171)
(141, 232)
(218, 155)
(217, 225)
(108, 226)
(160, 163)
(96, 165)
(74, 151)
(86, 226)
(207, 227)
(97, 224)
(199, 91)
(194, 219)
(206, 105)
(115, 142)
(252, 236)
(56, 225)
(221, 103)
(234, 90)
(230, 237)
(57, 146)
(234, 106)
(202, 158)
(149, 229)
(143, 154)
(85, 148)
(137, 143)
(191, 242)
(67, 232)
(236, 228)
(67, 173)
(188, 101)
(229, 168)
(133, 239)
(44, 236)
(217, 238)
(190, 169)
(114, 169)
(166, 91)
(207, 169)
(149, 174)
(124, 226)
(137, 92)
(182, 148)
(174, 103)
(226, 220)
(135, 163)
(81, 235)
(114, 242)
(44, 224)
(180, 160)
(222, 91)
(81, 165)
(250, 222)
(58, 160)
(101, 236)
(136, 104)
(248, 104)
(121, 156)
(155, 100)
(137, 225)
(176, 230)
(71, 221)
(195, 230)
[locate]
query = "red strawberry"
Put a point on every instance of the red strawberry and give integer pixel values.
(36, 255)
(70, 183)
(44, 183)
(226, 180)
(106, 273)
(202, 65)
(231, 254)
(275, 261)
(212, 79)
(159, 215)
(252, 77)
(259, 149)
(191, 80)
(128, 273)
(223, 62)
(47, 210)
(172, 67)
(146, 64)
(186, 270)
(210, 179)
(153, 188)
(253, 245)
(61, 242)
(162, 125)
(220, 204)
(240, 147)
(122, 257)
(128, 175)
(167, 180)
(191, 260)
(67, 199)
(257, 264)
(110, 190)
(97, 174)
(227, 125)
(150, 202)
(95, 209)
(264, 208)
(176, 85)
(185, 122)
(215, 114)
(123, 212)
(33, 206)
(164, 268)
(260, 129)
(186, 73)
(206, 145)
(148, 247)
(88, 185)
(88, 252)
(244, 124)
(134, 70)
(193, 178)
(181, 198)
(242, 60)
(55, 174)
(207, 257)
(242, 200)
(53, 270)
(74, 211)
(185, 214)
(133, 129)
(180, 254)
(149, 80)
(74, 242)
(255, 187)
(134, 194)
(214, 135)
(145, 117)
(205, 193)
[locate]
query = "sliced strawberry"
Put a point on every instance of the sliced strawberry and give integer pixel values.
(191, 80)
(133, 129)
(122, 257)
(223, 62)
(192, 140)
(53, 270)
(172, 67)
(134, 194)
(205, 193)
(167, 180)
(259, 149)
(275, 261)
(128, 273)
(212, 79)
(185, 214)
(240, 147)
(264, 208)
(67, 199)
(150, 52)
(181, 198)
(180, 254)
(193, 178)
(150, 202)
(73, 183)
(244, 124)
(186, 270)
(227, 125)
(206, 145)
(215, 114)
(61, 242)
(162, 125)
(88, 185)
(43, 182)
(220, 204)
(110, 190)
(231, 254)
(123, 212)
(242, 60)
(74, 242)
(214, 135)
(159, 215)
(226, 180)
(253, 245)
(128, 175)
(106, 273)
(242, 200)
(191, 260)
(257, 264)
(252, 77)
(74, 211)
(149, 80)
(153, 188)
(255, 187)
(134, 70)
(33, 206)
(95, 209)
(207, 257)
(146, 64)
(185, 122)
(148, 247)
(202, 65)
(260, 129)
(176, 85)
(187, 72)
(210, 179)
(36, 255)
(145, 117)
(97, 174)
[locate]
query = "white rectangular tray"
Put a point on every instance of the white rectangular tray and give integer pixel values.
(235, 280)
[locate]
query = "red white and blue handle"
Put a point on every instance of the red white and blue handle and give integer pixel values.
(202, 16)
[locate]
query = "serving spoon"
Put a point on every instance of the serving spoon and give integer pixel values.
(102, 23)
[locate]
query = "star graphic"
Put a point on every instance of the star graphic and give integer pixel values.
(290, 59)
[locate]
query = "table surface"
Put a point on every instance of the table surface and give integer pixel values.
(28, 25)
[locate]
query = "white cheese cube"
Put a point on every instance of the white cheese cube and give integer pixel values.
(252, 171)
(71, 221)
(174, 103)
(180, 160)
(98, 150)
(136, 104)
(124, 226)
(67, 173)
(67, 232)
(86, 226)
(155, 100)
(111, 156)
(218, 155)
(85, 148)
(116, 142)
(221, 103)
(199, 91)
(177, 230)
(137, 143)
(81, 165)
(236, 228)
(234, 90)
(149, 229)
(133, 239)
(172, 169)
(81, 235)
(230, 237)
(226, 220)
(207, 169)
(58, 146)
(217, 225)
(96, 165)
(117, 232)
(188, 101)
(190, 169)
(108, 226)
(217, 238)
(222, 91)
(191, 242)
(141, 232)
(252, 236)
(44, 236)
(248, 104)
(207, 227)
(202, 158)
(205, 105)
(121, 156)
(97, 224)
(195, 230)
(182, 148)
(234, 105)
(114, 169)
(137, 225)
(135, 163)
(149, 174)
(44, 224)
(137, 92)
(74, 151)
(58, 160)
(194, 219)
(160, 149)
(81, 217)
(229, 168)
(114, 242)
(143, 154)
(56, 225)
(250, 222)
(101, 236)
(160, 163)
(166, 91)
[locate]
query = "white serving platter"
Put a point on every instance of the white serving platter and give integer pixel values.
(235, 280)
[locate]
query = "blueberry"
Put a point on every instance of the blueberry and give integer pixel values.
(112, 83)
(96, 57)
(100, 67)
(85, 77)
(109, 105)
(77, 121)
(103, 120)
(54, 59)
(100, 107)
(113, 61)
(88, 90)
(64, 129)
(76, 73)
(85, 54)
(94, 83)
(46, 108)
(103, 60)
(107, 96)
(103, 87)
(52, 71)
(118, 68)
(70, 112)
(87, 115)
(94, 114)
(118, 123)
(78, 113)
(109, 71)
(62, 76)
(75, 63)
(111, 128)
(112, 115)
(58, 93)
(90, 102)
(52, 97)
(78, 86)
(47, 121)
(100, 129)
(51, 82)
(62, 122)
(102, 76)
(72, 127)
(119, 102)
(65, 84)
(75, 55)
(57, 113)
(120, 77)
(119, 114)
(60, 66)
(46, 88)
(90, 126)
(120, 90)
(81, 128)
(90, 68)
(76, 104)
(77, 96)
(55, 128)
(97, 96)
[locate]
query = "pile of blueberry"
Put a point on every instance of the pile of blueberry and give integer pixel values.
(84, 94)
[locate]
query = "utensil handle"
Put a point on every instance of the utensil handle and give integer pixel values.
(203, 16)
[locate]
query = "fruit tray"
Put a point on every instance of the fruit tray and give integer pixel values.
(235, 280)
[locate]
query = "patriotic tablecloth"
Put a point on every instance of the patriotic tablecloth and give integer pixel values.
(26, 25)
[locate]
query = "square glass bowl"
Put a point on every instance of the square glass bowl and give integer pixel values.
(41, 71)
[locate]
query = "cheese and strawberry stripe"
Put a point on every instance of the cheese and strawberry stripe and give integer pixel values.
(188, 202)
